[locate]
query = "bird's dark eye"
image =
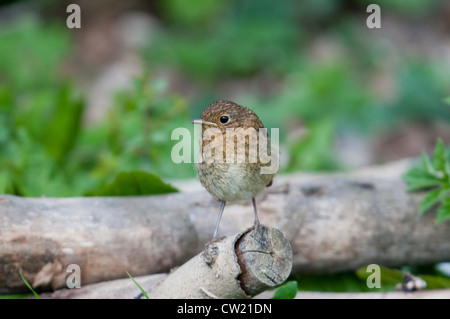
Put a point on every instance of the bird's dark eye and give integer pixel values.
(224, 119)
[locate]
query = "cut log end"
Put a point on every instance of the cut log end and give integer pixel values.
(265, 258)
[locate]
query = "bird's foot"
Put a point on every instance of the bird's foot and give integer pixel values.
(211, 250)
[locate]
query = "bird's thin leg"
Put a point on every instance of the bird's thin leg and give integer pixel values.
(256, 213)
(216, 230)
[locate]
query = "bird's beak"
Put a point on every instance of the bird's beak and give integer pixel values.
(202, 122)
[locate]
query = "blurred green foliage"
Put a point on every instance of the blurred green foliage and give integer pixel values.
(47, 149)
(407, 7)
(287, 290)
(227, 39)
(31, 53)
(39, 115)
(250, 38)
(134, 183)
(341, 282)
(389, 280)
(432, 176)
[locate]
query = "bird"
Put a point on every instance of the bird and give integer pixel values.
(233, 180)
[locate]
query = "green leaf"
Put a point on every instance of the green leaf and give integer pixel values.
(286, 291)
(443, 212)
(139, 286)
(447, 172)
(447, 100)
(29, 286)
(434, 173)
(432, 198)
(440, 156)
(340, 282)
(426, 164)
(436, 282)
(60, 134)
(134, 183)
(418, 179)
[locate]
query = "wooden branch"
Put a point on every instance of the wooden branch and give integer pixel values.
(333, 222)
(240, 266)
(112, 289)
(104, 236)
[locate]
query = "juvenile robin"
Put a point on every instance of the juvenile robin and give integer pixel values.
(225, 179)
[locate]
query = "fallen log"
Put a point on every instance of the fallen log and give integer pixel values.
(105, 237)
(113, 289)
(333, 222)
(240, 266)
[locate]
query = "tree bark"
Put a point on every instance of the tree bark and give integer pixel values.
(113, 289)
(240, 266)
(106, 237)
(334, 223)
